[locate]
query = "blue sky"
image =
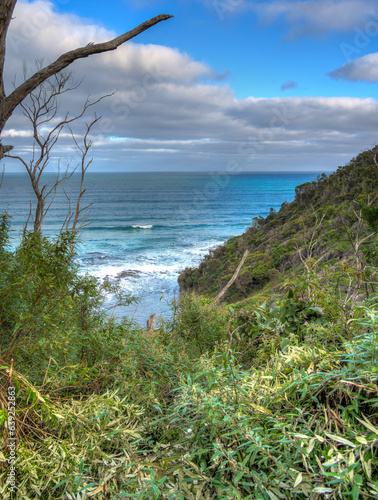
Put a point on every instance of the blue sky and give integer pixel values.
(259, 55)
(274, 85)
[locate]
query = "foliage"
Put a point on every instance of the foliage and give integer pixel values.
(45, 303)
(194, 321)
(315, 224)
(266, 398)
(294, 419)
(298, 423)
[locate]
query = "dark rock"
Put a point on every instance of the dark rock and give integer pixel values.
(128, 274)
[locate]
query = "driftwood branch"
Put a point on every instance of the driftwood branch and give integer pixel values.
(236, 273)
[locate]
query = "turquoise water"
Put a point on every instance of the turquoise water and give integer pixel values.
(146, 228)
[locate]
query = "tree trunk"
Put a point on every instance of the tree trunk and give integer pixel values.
(151, 323)
(6, 11)
(39, 215)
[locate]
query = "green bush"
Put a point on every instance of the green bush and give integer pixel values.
(50, 315)
(196, 321)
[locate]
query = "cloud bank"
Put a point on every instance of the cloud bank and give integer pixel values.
(170, 112)
(304, 17)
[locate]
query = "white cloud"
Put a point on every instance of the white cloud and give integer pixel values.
(172, 113)
(315, 16)
(362, 69)
(17, 133)
(37, 31)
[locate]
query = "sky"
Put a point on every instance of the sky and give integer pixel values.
(224, 85)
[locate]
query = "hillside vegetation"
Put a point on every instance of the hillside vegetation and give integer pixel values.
(270, 394)
(319, 223)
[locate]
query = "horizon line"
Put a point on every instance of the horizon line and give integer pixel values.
(207, 172)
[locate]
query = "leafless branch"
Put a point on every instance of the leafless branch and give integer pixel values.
(10, 102)
(79, 220)
(42, 109)
(235, 275)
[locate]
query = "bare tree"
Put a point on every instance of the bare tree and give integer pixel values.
(10, 102)
(77, 219)
(357, 280)
(306, 253)
(42, 110)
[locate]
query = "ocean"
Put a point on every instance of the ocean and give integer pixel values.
(145, 228)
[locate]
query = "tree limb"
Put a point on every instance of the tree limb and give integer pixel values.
(224, 290)
(42, 111)
(10, 102)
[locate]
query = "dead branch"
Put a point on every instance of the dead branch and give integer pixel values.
(236, 273)
(9, 103)
(42, 110)
(80, 221)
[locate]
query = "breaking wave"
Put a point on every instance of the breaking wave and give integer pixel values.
(120, 228)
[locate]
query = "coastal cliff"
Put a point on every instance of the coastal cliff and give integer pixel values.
(317, 224)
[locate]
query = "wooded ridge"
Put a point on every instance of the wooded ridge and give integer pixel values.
(317, 224)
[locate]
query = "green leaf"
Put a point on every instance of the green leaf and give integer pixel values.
(298, 480)
(62, 482)
(355, 492)
(367, 424)
(99, 416)
(113, 433)
(340, 439)
(321, 489)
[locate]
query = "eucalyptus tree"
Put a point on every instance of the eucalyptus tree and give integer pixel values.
(8, 103)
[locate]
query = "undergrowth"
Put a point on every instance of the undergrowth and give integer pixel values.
(273, 398)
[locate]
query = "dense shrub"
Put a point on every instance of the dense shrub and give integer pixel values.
(273, 396)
